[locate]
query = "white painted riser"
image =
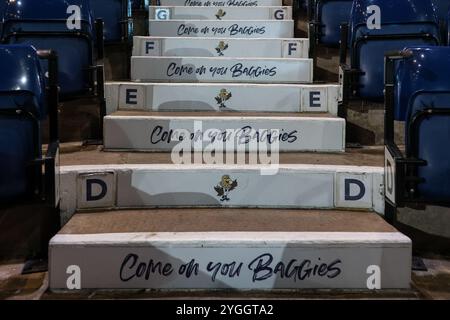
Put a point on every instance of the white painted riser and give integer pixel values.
(222, 29)
(285, 186)
(221, 3)
(103, 262)
(159, 133)
(250, 70)
(217, 47)
(221, 14)
(207, 97)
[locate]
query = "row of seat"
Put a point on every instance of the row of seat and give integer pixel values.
(76, 33)
(417, 93)
(366, 29)
(401, 60)
(28, 28)
(115, 14)
(328, 15)
(403, 23)
(400, 57)
(25, 101)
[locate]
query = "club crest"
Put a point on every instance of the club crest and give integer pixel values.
(221, 47)
(220, 14)
(225, 186)
(223, 97)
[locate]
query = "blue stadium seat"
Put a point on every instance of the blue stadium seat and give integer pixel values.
(23, 103)
(139, 4)
(43, 24)
(442, 7)
(2, 12)
(115, 15)
(303, 4)
(447, 28)
(403, 23)
(328, 15)
(418, 93)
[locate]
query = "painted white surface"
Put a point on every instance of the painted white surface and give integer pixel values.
(249, 70)
(206, 97)
(221, 3)
(390, 174)
(90, 189)
(160, 133)
(343, 259)
(220, 13)
(223, 29)
(220, 47)
(294, 186)
(378, 192)
(353, 190)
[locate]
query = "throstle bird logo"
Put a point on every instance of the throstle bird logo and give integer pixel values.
(221, 47)
(225, 186)
(220, 14)
(223, 97)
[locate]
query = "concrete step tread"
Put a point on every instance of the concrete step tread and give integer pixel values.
(198, 114)
(73, 155)
(225, 220)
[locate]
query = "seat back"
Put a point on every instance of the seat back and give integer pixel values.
(114, 14)
(331, 14)
(44, 25)
(422, 83)
(139, 4)
(442, 7)
(22, 103)
(403, 23)
(2, 13)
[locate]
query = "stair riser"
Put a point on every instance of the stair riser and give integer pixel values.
(222, 29)
(221, 3)
(207, 47)
(334, 261)
(147, 186)
(220, 14)
(221, 70)
(160, 133)
(206, 97)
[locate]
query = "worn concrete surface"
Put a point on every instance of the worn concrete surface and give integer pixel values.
(225, 220)
(77, 154)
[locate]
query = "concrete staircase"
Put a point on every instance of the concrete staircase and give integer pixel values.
(194, 220)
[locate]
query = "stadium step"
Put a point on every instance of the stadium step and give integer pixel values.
(221, 28)
(220, 13)
(153, 131)
(218, 47)
(230, 249)
(198, 220)
(221, 3)
(96, 179)
(222, 97)
(251, 186)
(201, 69)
